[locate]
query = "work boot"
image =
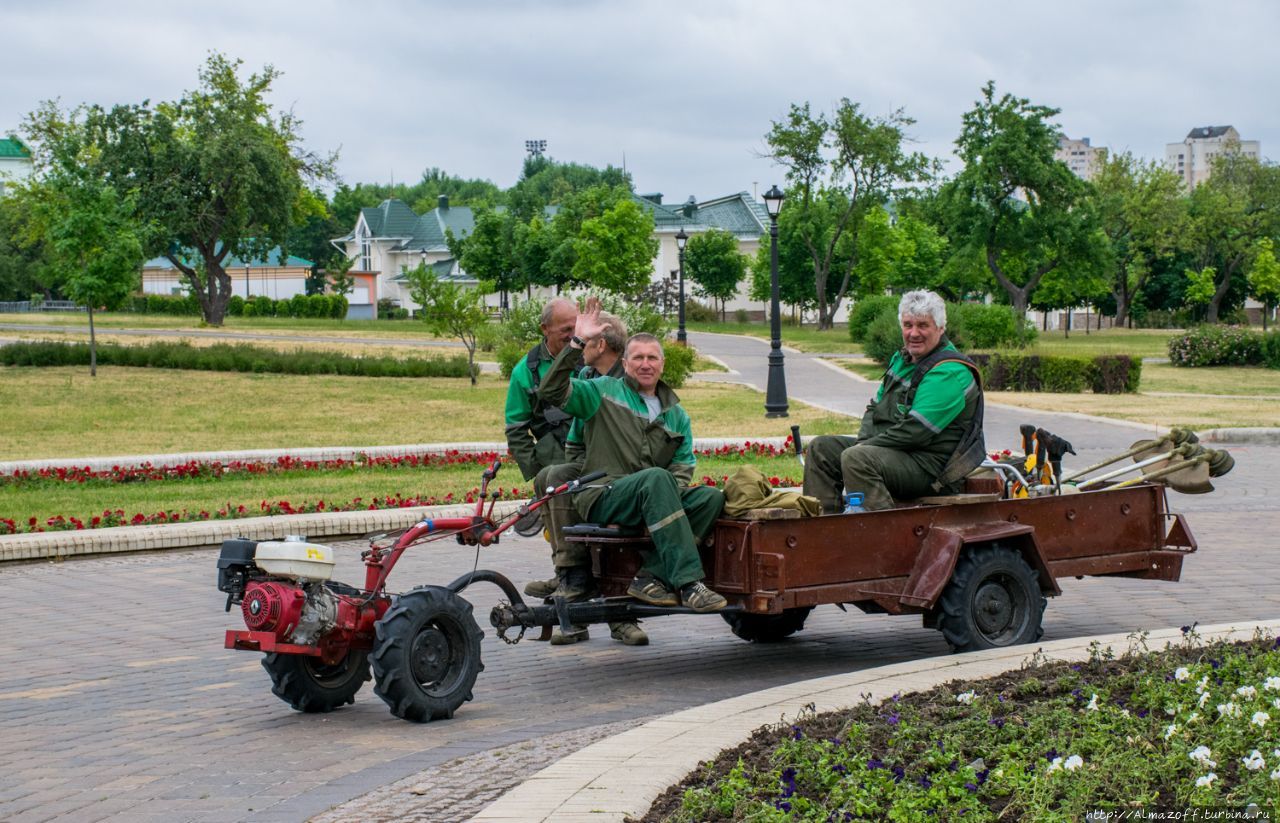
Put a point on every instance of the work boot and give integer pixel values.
(542, 589)
(649, 589)
(698, 597)
(629, 633)
(578, 634)
(574, 583)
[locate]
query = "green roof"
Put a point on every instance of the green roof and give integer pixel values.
(736, 213)
(12, 147)
(273, 261)
(443, 270)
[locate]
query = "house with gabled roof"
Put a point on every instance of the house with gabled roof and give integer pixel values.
(15, 161)
(390, 237)
(277, 276)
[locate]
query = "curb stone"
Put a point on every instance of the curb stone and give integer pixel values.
(621, 776)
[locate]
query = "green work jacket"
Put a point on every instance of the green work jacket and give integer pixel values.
(575, 446)
(535, 431)
(618, 437)
(933, 425)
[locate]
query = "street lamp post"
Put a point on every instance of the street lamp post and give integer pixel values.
(681, 240)
(246, 281)
(775, 397)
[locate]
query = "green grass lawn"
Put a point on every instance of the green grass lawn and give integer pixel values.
(803, 338)
(257, 325)
(62, 412)
(1133, 342)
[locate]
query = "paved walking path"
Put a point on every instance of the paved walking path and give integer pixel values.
(118, 702)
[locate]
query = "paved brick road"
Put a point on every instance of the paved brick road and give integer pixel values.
(117, 700)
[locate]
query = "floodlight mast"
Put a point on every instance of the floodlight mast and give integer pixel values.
(536, 148)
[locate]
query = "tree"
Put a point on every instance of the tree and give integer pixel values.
(1143, 213)
(1025, 210)
(449, 308)
(24, 266)
(615, 250)
(95, 247)
(486, 253)
(1227, 215)
(1200, 287)
(838, 167)
(217, 173)
(795, 266)
(713, 262)
(1264, 278)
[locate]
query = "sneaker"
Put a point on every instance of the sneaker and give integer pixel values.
(628, 634)
(542, 589)
(653, 591)
(698, 597)
(563, 638)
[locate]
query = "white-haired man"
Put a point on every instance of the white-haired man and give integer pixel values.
(923, 432)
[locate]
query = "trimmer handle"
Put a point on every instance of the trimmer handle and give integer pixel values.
(795, 441)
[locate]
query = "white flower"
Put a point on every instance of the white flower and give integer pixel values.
(1260, 718)
(1247, 692)
(1193, 717)
(1093, 704)
(1275, 775)
(1276, 702)
(966, 698)
(1073, 762)
(1054, 765)
(1183, 673)
(1204, 698)
(1254, 761)
(1202, 685)
(1228, 710)
(1200, 754)
(1206, 780)
(1170, 730)
(1272, 684)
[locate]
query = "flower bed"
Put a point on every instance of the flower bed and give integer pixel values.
(1193, 726)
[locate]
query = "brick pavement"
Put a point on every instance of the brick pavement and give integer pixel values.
(118, 702)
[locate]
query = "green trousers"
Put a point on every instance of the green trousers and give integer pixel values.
(833, 463)
(560, 512)
(677, 519)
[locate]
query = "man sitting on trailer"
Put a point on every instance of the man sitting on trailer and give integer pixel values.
(923, 432)
(639, 435)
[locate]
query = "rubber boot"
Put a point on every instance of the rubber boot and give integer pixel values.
(576, 584)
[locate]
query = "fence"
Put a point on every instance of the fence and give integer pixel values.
(23, 306)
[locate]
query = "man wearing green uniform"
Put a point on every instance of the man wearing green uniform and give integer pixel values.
(638, 433)
(923, 432)
(536, 431)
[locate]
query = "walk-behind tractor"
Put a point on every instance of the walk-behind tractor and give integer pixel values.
(977, 566)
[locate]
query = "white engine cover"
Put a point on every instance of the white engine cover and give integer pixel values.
(295, 559)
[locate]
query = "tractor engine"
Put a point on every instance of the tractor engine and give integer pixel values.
(282, 587)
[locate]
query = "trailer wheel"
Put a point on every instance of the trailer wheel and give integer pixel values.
(767, 628)
(426, 654)
(309, 685)
(993, 600)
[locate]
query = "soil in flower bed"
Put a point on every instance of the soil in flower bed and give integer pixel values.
(1193, 725)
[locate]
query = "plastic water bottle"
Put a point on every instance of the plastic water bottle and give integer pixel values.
(853, 503)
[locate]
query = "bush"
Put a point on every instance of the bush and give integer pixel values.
(235, 306)
(981, 326)
(677, 363)
(695, 312)
(741, 316)
(1271, 349)
(866, 310)
(388, 309)
(239, 357)
(1011, 371)
(509, 353)
(883, 337)
(1213, 345)
(338, 305)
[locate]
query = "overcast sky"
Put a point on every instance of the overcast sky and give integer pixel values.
(683, 91)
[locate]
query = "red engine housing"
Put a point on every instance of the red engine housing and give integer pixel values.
(272, 606)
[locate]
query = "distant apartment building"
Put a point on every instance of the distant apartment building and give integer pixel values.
(1083, 159)
(1193, 158)
(15, 161)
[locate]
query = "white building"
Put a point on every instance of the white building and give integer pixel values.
(1193, 158)
(1083, 159)
(15, 161)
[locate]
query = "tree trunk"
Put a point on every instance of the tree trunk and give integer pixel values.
(93, 345)
(1122, 310)
(1215, 305)
(1066, 327)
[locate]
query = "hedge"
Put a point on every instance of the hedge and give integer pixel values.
(1271, 349)
(1213, 345)
(300, 305)
(1105, 374)
(239, 357)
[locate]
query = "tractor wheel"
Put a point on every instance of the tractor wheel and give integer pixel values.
(993, 600)
(767, 628)
(427, 654)
(309, 685)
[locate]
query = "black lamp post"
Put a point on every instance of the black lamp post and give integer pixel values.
(775, 397)
(681, 240)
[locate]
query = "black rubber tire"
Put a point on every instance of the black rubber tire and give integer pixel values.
(767, 628)
(309, 685)
(993, 600)
(426, 655)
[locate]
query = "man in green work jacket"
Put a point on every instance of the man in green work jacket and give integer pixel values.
(923, 432)
(639, 435)
(536, 431)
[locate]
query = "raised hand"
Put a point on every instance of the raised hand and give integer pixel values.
(589, 326)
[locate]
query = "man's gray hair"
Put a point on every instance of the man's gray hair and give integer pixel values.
(615, 332)
(922, 302)
(550, 308)
(644, 337)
